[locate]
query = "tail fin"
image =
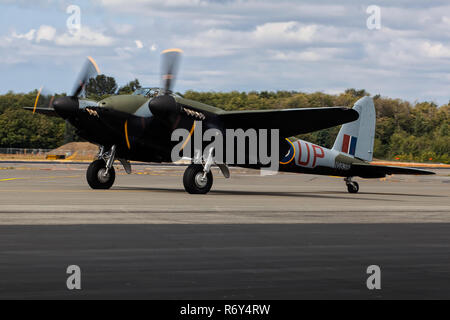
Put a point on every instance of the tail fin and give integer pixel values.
(356, 138)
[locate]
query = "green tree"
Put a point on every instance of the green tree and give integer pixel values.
(22, 129)
(101, 87)
(131, 87)
(356, 93)
(408, 131)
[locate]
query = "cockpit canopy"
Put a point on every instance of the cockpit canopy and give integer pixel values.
(152, 92)
(147, 92)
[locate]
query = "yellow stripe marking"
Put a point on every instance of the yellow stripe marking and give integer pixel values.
(51, 102)
(172, 50)
(189, 138)
(37, 99)
(94, 64)
(126, 135)
(293, 157)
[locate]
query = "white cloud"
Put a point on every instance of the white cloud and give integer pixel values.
(139, 44)
(268, 36)
(85, 37)
(45, 33)
(123, 29)
(27, 36)
(446, 20)
(308, 55)
(136, 4)
(253, 44)
(284, 31)
(437, 50)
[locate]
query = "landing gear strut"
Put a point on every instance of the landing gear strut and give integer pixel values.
(101, 174)
(352, 186)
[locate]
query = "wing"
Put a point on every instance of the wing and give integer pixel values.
(365, 170)
(46, 111)
(290, 122)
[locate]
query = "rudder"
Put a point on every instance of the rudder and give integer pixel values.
(357, 138)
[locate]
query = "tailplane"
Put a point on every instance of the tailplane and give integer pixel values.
(356, 138)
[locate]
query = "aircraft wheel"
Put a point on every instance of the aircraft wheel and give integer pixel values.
(193, 180)
(353, 187)
(96, 177)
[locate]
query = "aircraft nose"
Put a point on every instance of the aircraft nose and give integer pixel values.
(66, 106)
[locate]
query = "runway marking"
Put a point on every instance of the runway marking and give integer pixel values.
(158, 174)
(47, 191)
(39, 178)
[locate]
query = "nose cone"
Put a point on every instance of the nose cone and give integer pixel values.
(66, 106)
(164, 106)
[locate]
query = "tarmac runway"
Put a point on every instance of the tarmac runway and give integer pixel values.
(280, 237)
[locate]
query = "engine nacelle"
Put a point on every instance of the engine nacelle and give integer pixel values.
(165, 107)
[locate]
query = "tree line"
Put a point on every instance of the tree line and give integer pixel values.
(405, 131)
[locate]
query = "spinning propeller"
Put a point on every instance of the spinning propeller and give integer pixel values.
(66, 106)
(90, 70)
(44, 100)
(169, 68)
(165, 106)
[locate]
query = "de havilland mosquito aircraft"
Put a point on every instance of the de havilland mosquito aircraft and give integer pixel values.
(139, 127)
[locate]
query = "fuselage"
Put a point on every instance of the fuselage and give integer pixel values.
(306, 157)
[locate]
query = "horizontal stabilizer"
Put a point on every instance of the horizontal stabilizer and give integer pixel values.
(366, 170)
(290, 122)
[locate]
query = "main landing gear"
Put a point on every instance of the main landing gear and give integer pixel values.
(101, 174)
(352, 186)
(198, 178)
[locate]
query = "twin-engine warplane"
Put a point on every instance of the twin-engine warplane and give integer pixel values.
(139, 127)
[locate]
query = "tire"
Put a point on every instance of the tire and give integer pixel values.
(94, 180)
(353, 187)
(191, 179)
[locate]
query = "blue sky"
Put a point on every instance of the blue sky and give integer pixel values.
(234, 45)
